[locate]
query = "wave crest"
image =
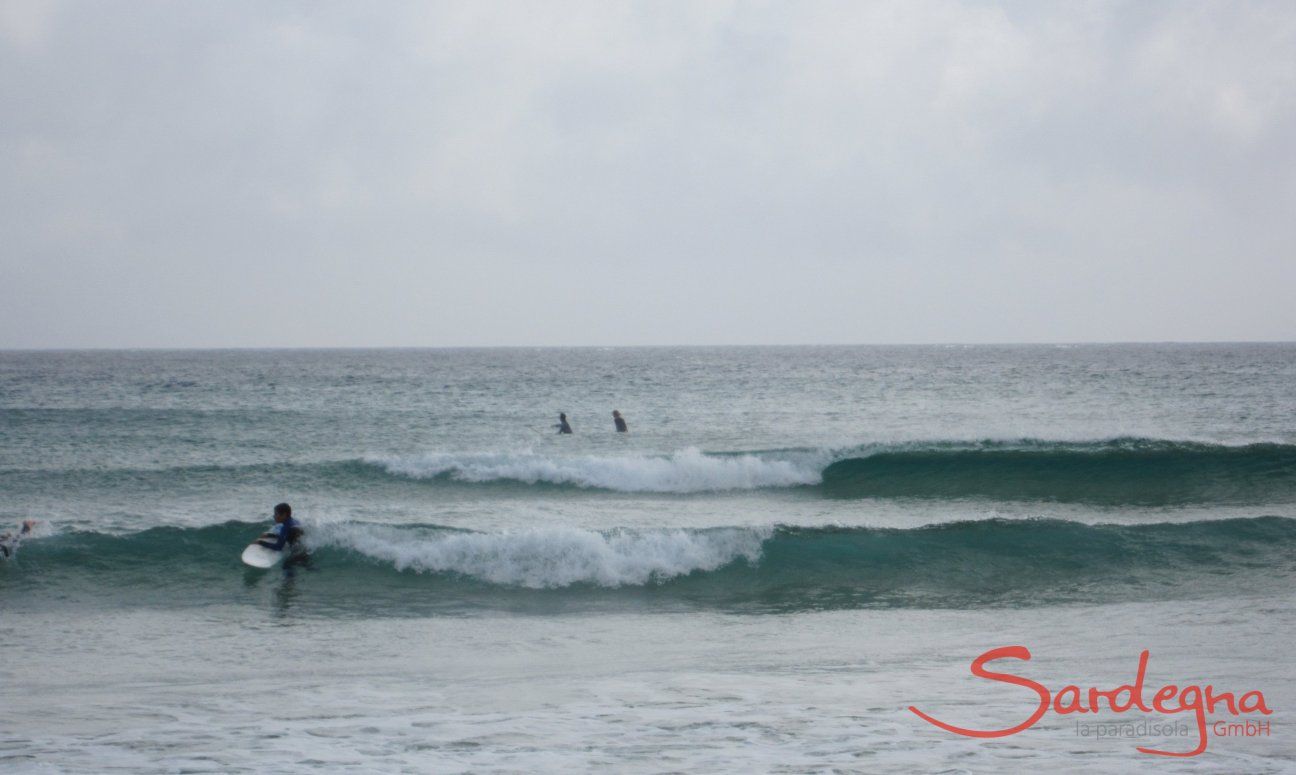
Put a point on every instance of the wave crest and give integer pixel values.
(546, 558)
(686, 471)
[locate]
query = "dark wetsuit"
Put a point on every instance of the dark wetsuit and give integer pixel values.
(620, 424)
(563, 427)
(9, 542)
(288, 533)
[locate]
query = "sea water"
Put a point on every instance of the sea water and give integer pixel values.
(789, 548)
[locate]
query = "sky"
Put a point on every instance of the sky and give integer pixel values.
(320, 174)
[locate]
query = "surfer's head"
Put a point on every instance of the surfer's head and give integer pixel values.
(282, 512)
(615, 413)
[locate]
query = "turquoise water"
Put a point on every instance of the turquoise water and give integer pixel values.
(961, 494)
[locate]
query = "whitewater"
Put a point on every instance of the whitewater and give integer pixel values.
(789, 548)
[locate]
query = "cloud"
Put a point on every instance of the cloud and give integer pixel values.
(605, 173)
(25, 24)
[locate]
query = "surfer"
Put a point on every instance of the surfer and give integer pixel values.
(562, 425)
(9, 542)
(619, 420)
(287, 531)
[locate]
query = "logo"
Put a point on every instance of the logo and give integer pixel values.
(1169, 700)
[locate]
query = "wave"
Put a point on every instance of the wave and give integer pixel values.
(553, 557)
(1126, 471)
(1123, 471)
(686, 471)
(366, 569)
(1113, 472)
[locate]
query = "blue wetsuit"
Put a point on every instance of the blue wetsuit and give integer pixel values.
(288, 532)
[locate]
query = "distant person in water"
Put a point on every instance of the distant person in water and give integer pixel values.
(9, 541)
(562, 425)
(287, 531)
(620, 421)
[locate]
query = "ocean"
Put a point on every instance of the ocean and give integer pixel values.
(790, 549)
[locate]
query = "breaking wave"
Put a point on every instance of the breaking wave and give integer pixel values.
(1113, 472)
(1132, 471)
(361, 569)
(687, 471)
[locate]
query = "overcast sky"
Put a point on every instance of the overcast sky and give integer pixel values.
(186, 174)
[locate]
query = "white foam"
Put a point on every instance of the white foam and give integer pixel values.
(685, 471)
(542, 558)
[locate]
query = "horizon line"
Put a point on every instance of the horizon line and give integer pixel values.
(234, 348)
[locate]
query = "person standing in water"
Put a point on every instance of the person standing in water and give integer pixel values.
(619, 420)
(562, 426)
(9, 541)
(287, 531)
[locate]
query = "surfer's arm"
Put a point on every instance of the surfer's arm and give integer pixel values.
(280, 539)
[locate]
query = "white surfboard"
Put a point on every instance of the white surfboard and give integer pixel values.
(259, 556)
